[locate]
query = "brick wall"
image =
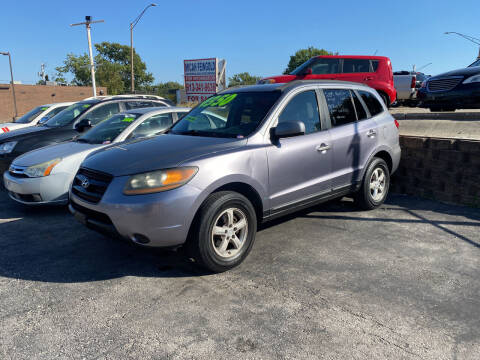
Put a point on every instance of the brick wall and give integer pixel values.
(446, 170)
(29, 96)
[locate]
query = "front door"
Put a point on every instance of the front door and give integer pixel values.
(299, 167)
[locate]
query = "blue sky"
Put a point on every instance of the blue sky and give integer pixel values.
(255, 36)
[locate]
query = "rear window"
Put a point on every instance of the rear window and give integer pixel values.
(372, 103)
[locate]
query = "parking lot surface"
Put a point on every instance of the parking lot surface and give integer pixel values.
(400, 282)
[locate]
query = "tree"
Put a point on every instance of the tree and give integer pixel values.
(112, 68)
(167, 90)
(303, 55)
(243, 79)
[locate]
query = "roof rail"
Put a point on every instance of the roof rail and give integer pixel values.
(137, 96)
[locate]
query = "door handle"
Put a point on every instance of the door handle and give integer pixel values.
(322, 148)
(371, 133)
(368, 78)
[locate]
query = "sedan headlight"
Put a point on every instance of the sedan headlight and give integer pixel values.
(7, 147)
(472, 79)
(157, 181)
(43, 169)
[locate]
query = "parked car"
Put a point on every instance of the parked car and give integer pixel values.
(40, 114)
(457, 89)
(407, 84)
(206, 183)
(374, 71)
(44, 176)
(66, 125)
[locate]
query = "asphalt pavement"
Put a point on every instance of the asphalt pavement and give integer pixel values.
(332, 282)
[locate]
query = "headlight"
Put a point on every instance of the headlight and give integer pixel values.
(43, 169)
(472, 79)
(7, 148)
(157, 181)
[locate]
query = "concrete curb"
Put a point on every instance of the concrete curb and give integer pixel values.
(438, 116)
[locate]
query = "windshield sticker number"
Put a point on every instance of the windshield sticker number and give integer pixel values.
(86, 106)
(128, 119)
(218, 101)
(44, 108)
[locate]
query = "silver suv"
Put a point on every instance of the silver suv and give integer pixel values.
(244, 156)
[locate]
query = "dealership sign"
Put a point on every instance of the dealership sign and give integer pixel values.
(203, 78)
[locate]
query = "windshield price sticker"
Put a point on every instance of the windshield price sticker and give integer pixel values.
(128, 119)
(218, 101)
(86, 105)
(44, 108)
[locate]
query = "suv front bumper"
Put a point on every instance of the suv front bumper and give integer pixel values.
(157, 220)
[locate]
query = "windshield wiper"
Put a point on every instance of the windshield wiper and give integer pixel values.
(204, 133)
(80, 140)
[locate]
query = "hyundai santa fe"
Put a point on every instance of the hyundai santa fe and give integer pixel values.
(243, 156)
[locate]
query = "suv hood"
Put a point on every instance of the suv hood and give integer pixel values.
(470, 71)
(51, 152)
(160, 152)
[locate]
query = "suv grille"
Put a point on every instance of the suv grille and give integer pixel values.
(90, 185)
(444, 84)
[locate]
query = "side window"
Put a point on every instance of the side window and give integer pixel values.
(373, 104)
(325, 66)
(137, 104)
(374, 65)
(356, 65)
(340, 106)
(102, 112)
(153, 125)
(158, 104)
(361, 113)
(303, 107)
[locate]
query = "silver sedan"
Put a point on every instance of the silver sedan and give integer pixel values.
(43, 176)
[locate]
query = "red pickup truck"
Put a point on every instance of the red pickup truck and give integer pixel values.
(374, 71)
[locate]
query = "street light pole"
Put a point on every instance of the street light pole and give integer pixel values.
(132, 25)
(13, 85)
(88, 21)
(469, 38)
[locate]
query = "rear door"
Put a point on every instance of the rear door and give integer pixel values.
(353, 136)
(298, 167)
(358, 70)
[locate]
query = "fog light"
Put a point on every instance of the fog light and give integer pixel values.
(141, 239)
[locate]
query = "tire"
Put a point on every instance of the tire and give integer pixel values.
(365, 197)
(229, 246)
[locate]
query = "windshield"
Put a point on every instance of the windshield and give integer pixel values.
(106, 131)
(66, 116)
(230, 115)
(31, 115)
(476, 63)
(303, 67)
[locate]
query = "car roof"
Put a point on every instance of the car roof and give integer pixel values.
(143, 111)
(373, 57)
(283, 87)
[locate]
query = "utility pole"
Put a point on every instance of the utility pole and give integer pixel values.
(13, 85)
(88, 21)
(132, 25)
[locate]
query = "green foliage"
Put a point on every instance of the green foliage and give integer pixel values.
(243, 79)
(303, 55)
(112, 68)
(168, 90)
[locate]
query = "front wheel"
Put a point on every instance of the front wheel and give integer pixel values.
(375, 185)
(224, 231)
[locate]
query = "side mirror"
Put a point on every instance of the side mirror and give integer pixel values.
(83, 124)
(288, 129)
(43, 120)
(307, 72)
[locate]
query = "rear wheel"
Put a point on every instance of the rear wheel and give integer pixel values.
(375, 185)
(224, 231)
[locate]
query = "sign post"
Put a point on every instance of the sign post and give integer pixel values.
(203, 78)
